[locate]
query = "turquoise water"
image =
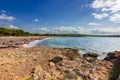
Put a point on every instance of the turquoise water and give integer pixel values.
(98, 45)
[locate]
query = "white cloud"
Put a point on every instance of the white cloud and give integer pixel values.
(8, 25)
(93, 24)
(115, 18)
(108, 30)
(3, 11)
(12, 26)
(78, 30)
(6, 17)
(62, 29)
(100, 16)
(111, 7)
(36, 20)
(107, 5)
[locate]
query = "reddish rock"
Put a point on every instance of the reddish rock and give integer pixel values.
(113, 57)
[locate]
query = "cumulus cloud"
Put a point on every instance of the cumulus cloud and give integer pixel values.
(36, 20)
(115, 18)
(93, 24)
(107, 8)
(100, 16)
(107, 5)
(6, 17)
(62, 29)
(12, 26)
(8, 25)
(109, 30)
(78, 30)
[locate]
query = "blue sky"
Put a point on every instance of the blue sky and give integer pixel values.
(62, 16)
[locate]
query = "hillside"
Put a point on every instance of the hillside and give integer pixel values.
(13, 32)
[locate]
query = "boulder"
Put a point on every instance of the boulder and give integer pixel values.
(113, 56)
(51, 64)
(56, 59)
(94, 55)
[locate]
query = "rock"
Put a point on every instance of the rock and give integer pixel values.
(79, 78)
(113, 57)
(38, 73)
(110, 56)
(56, 59)
(94, 55)
(90, 60)
(51, 64)
(4, 46)
(61, 64)
(67, 71)
(92, 71)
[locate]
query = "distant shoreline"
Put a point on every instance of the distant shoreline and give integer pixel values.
(79, 35)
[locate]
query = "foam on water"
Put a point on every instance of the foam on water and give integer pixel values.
(34, 43)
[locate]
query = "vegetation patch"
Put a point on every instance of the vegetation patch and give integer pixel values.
(71, 54)
(52, 79)
(75, 69)
(115, 73)
(13, 32)
(70, 76)
(84, 65)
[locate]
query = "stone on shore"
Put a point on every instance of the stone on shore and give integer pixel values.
(93, 55)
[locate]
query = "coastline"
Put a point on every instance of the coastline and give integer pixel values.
(17, 42)
(35, 42)
(81, 51)
(46, 63)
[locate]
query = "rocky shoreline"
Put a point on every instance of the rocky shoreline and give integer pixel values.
(16, 42)
(43, 63)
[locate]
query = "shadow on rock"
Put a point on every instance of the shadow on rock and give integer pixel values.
(56, 59)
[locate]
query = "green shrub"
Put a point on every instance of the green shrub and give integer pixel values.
(115, 73)
(72, 54)
(13, 32)
(70, 76)
(52, 79)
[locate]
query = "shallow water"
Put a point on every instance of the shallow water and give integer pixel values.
(98, 45)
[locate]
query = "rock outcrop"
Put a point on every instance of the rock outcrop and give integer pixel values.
(113, 57)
